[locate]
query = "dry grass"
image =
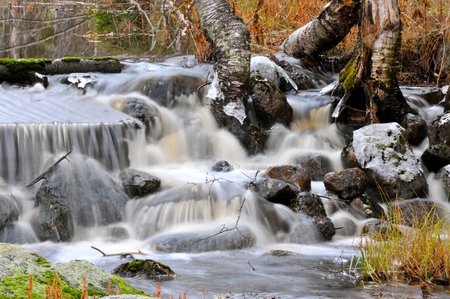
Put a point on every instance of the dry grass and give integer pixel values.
(419, 254)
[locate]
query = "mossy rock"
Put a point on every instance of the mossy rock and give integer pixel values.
(146, 268)
(17, 265)
(35, 64)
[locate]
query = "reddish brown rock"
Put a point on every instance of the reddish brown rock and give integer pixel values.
(294, 175)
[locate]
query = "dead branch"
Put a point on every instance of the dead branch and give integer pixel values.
(121, 254)
(49, 170)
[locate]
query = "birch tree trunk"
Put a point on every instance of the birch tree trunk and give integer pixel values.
(230, 41)
(325, 31)
(369, 81)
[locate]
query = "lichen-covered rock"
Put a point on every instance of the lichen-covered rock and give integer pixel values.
(325, 227)
(416, 128)
(147, 268)
(9, 211)
(138, 183)
(261, 66)
(347, 184)
(79, 193)
(364, 207)
(276, 191)
(437, 155)
(222, 166)
(17, 264)
(270, 104)
(207, 241)
(317, 165)
(383, 152)
(294, 175)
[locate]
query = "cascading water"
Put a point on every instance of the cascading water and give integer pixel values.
(198, 215)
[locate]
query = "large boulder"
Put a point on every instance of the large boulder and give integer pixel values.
(269, 104)
(17, 264)
(317, 165)
(147, 268)
(347, 184)
(437, 155)
(77, 194)
(414, 211)
(294, 175)
(444, 177)
(9, 211)
(138, 183)
(383, 152)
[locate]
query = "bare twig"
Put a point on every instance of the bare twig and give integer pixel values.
(121, 254)
(48, 171)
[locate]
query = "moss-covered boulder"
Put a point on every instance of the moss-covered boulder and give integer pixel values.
(149, 269)
(18, 264)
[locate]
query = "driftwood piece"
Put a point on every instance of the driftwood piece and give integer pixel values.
(121, 254)
(48, 171)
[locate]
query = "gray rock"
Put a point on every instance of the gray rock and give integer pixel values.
(9, 211)
(347, 184)
(437, 155)
(138, 183)
(222, 166)
(383, 152)
(444, 176)
(415, 211)
(206, 241)
(317, 165)
(416, 128)
(276, 191)
(77, 194)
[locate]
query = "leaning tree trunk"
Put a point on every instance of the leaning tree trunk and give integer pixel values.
(369, 81)
(230, 41)
(325, 31)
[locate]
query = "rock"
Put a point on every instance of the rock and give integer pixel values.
(383, 152)
(437, 155)
(347, 184)
(261, 66)
(79, 80)
(77, 194)
(415, 210)
(149, 269)
(17, 263)
(444, 176)
(348, 157)
(294, 175)
(276, 191)
(416, 128)
(222, 166)
(144, 110)
(432, 95)
(345, 226)
(363, 207)
(9, 211)
(269, 104)
(138, 183)
(447, 101)
(205, 241)
(316, 164)
(311, 205)
(116, 232)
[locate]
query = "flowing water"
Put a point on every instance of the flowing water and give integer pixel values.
(200, 218)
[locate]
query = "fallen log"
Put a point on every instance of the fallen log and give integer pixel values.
(29, 71)
(121, 254)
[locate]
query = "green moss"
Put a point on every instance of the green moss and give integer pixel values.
(78, 59)
(348, 75)
(104, 58)
(42, 261)
(29, 63)
(124, 287)
(71, 59)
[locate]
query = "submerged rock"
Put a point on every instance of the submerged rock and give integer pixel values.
(138, 183)
(294, 175)
(222, 166)
(17, 264)
(437, 155)
(80, 193)
(9, 211)
(317, 165)
(149, 269)
(347, 184)
(383, 152)
(206, 241)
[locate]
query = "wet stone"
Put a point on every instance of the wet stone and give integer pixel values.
(294, 175)
(147, 268)
(347, 184)
(416, 128)
(222, 166)
(437, 155)
(276, 191)
(138, 183)
(317, 165)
